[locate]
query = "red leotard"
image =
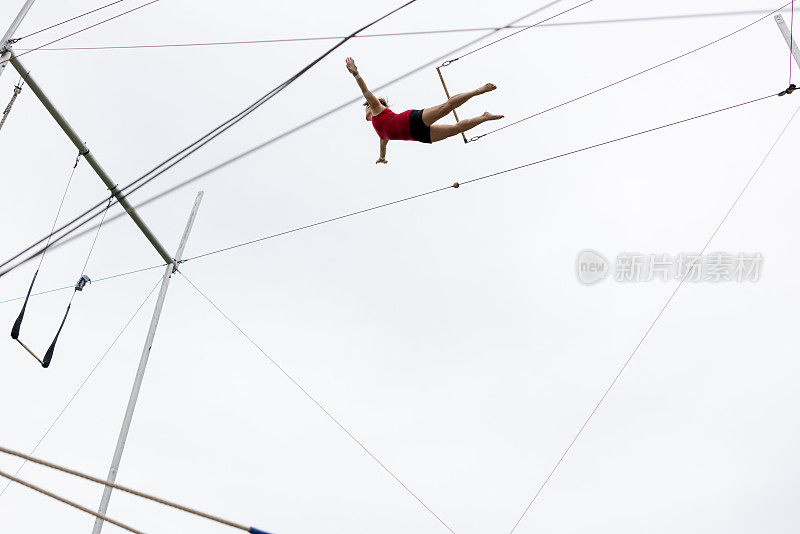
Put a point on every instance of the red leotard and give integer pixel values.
(393, 126)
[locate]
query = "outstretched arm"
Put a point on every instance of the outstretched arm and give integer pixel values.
(382, 159)
(372, 100)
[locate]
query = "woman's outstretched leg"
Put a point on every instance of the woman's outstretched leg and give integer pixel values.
(442, 131)
(431, 115)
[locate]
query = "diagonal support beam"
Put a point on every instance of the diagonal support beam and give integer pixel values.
(84, 151)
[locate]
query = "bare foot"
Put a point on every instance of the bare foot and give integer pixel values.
(491, 117)
(485, 89)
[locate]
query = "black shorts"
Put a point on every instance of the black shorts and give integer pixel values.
(419, 131)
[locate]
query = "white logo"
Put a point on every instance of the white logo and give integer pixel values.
(592, 267)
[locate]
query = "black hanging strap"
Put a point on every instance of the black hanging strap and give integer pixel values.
(79, 286)
(15, 330)
(18, 322)
(49, 354)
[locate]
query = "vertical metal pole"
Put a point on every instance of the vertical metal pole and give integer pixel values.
(10, 33)
(137, 383)
(787, 34)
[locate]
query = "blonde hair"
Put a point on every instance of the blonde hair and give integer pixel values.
(384, 102)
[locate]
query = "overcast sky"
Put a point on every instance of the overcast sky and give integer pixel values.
(450, 334)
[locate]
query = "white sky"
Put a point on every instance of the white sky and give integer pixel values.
(450, 333)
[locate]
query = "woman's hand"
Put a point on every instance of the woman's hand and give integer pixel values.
(351, 66)
(382, 160)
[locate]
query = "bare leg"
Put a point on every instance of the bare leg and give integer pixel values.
(443, 131)
(431, 115)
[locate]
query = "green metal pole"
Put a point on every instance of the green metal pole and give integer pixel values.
(84, 151)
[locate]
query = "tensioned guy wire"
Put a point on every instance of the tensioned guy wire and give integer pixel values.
(487, 45)
(632, 76)
(242, 155)
(94, 281)
(85, 380)
(90, 27)
(82, 281)
(60, 206)
(251, 151)
(319, 405)
(91, 249)
(208, 137)
(473, 180)
(652, 324)
(661, 18)
(399, 201)
(17, 326)
(66, 21)
(94, 241)
(307, 123)
(481, 178)
(406, 199)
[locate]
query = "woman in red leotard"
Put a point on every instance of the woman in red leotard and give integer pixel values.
(417, 124)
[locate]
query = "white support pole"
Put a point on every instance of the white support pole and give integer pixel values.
(137, 383)
(6, 54)
(787, 34)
